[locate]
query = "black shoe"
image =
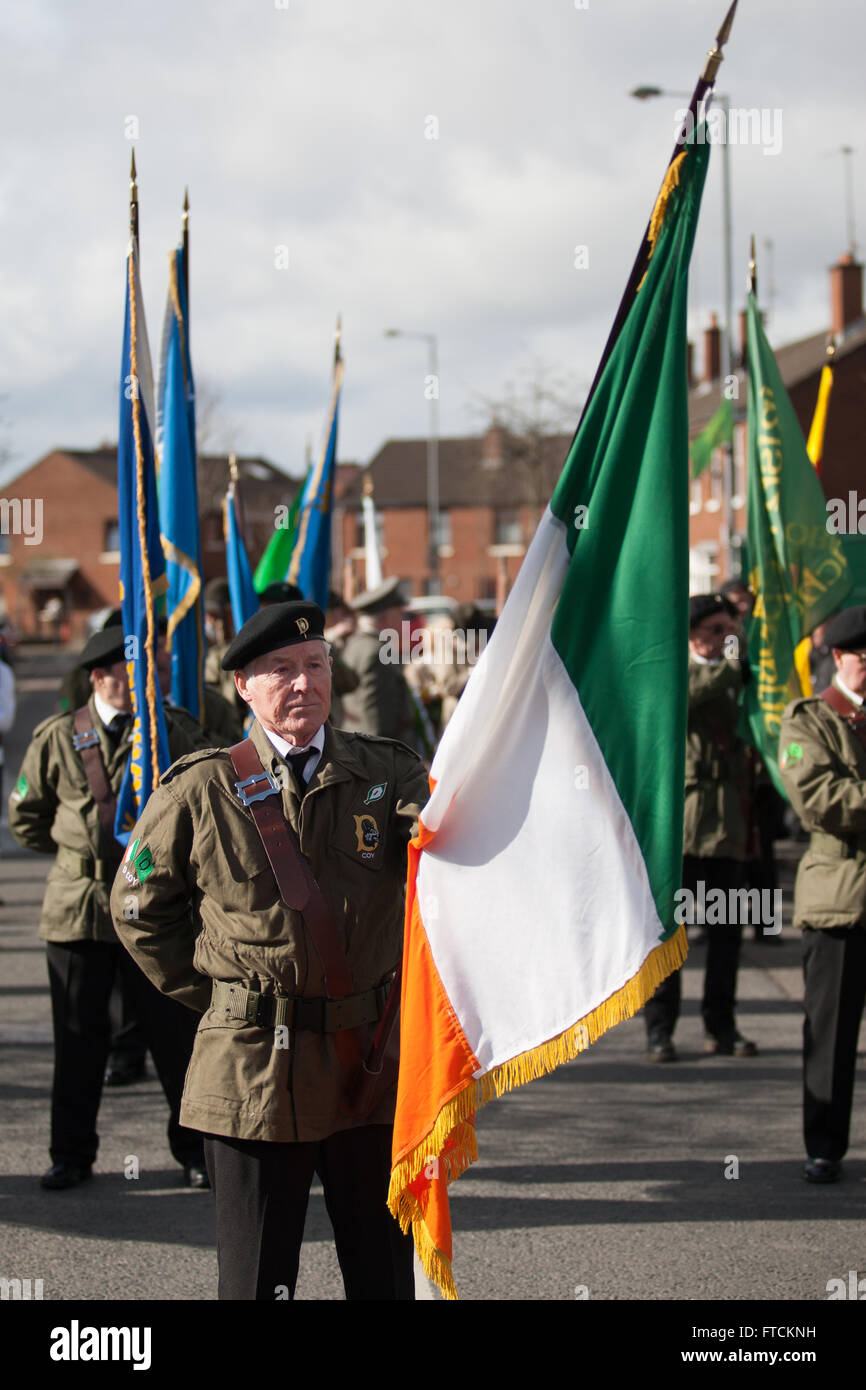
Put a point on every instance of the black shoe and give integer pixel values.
(822, 1170)
(195, 1175)
(660, 1048)
(62, 1175)
(124, 1073)
(730, 1045)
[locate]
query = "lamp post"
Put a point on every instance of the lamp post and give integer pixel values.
(432, 452)
(645, 94)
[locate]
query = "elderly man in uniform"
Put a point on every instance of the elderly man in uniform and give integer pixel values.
(822, 757)
(714, 830)
(382, 702)
(63, 803)
(275, 906)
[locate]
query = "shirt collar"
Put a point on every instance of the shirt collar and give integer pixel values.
(317, 742)
(105, 711)
(849, 694)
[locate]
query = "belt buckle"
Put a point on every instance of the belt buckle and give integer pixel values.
(273, 787)
(88, 739)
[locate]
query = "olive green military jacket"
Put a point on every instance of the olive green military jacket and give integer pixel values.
(209, 909)
(51, 810)
(823, 766)
(714, 825)
(382, 703)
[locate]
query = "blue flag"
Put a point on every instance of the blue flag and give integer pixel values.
(245, 600)
(178, 498)
(310, 566)
(142, 569)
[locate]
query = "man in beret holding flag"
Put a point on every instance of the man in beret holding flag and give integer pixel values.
(275, 908)
(64, 804)
(822, 759)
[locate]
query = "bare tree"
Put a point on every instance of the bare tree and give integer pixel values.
(538, 415)
(214, 433)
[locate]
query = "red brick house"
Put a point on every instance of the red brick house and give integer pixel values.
(72, 556)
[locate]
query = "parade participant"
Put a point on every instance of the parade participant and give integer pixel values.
(287, 991)
(63, 803)
(822, 759)
(382, 702)
(714, 830)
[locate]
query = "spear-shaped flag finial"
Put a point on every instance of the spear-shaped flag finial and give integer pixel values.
(753, 268)
(133, 197)
(715, 55)
(337, 333)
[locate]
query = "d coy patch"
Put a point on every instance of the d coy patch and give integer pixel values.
(367, 836)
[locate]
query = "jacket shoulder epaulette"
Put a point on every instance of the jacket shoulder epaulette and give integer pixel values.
(381, 738)
(49, 723)
(190, 760)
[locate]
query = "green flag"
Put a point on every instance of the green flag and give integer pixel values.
(720, 430)
(798, 570)
(273, 567)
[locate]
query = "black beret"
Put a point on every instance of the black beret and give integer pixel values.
(847, 631)
(705, 605)
(385, 595)
(103, 648)
(278, 625)
(280, 592)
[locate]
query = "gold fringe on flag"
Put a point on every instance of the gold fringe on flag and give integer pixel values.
(454, 1127)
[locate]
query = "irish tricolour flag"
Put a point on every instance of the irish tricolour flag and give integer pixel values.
(541, 884)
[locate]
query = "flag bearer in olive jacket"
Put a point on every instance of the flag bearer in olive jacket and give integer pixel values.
(54, 809)
(822, 759)
(714, 831)
(272, 1063)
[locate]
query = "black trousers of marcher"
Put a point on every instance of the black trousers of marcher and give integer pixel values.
(127, 1038)
(81, 975)
(723, 955)
(261, 1192)
(834, 970)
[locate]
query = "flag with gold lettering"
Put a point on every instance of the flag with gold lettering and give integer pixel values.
(798, 570)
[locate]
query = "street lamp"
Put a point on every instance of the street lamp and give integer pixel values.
(645, 94)
(432, 451)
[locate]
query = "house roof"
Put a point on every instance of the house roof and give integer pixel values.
(796, 362)
(473, 472)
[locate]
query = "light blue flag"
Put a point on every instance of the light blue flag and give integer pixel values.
(310, 566)
(142, 569)
(245, 600)
(178, 498)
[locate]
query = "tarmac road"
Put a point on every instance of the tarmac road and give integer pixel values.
(612, 1179)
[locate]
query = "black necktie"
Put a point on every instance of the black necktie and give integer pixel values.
(118, 725)
(296, 763)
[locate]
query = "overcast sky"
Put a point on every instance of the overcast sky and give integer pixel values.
(304, 124)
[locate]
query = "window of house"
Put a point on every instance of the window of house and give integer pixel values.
(507, 528)
(112, 536)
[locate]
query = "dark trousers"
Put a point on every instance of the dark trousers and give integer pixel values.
(261, 1192)
(834, 970)
(723, 955)
(81, 975)
(127, 1038)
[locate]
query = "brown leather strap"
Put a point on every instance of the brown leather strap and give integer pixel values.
(298, 887)
(86, 744)
(854, 715)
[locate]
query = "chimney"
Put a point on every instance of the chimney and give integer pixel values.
(712, 350)
(493, 447)
(846, 294)
(690, 364)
